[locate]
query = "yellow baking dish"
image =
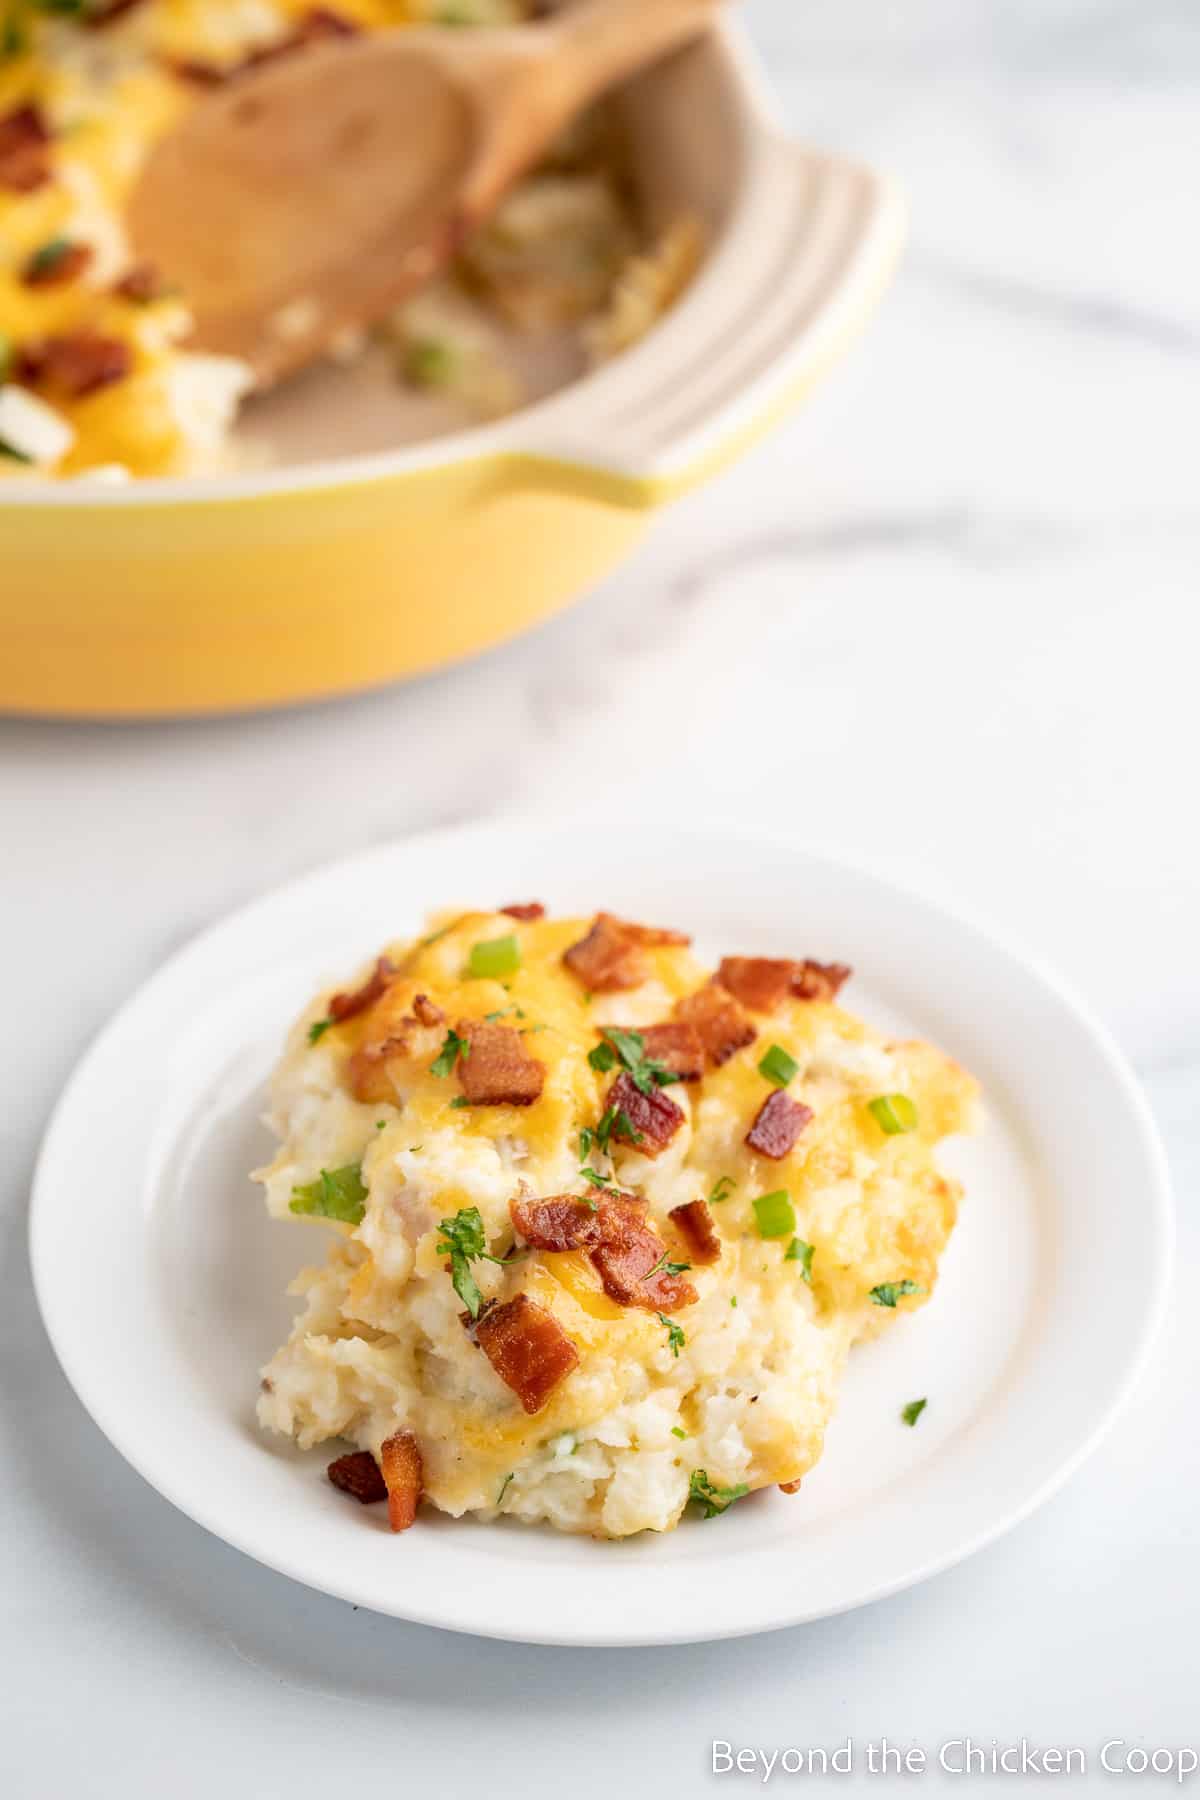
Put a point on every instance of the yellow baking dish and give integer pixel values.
(316, 578)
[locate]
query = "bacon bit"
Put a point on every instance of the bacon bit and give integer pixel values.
(609, 960)
(789, 1487)
(52, 267)
(497, 1070)
(765, 982)
(759, 982)
(75, 364)
(628, 1250)
(655, 1118)
(345, 1006)
(404, 1475)
(427, 1012)
(528, 1348)
(141, 284)
(358, 1475)
(677, 1046)
(779, 1123)
(820, 981)
(560, 1222)
(321, 23)
(719, 1022)
(105, 12)
(24, 150)
(695, 1223)
(527, 910)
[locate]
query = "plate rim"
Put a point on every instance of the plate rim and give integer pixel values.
(1159, 1208)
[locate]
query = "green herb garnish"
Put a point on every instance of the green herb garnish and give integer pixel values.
(668, 1268)
(912, 1412)
(504, 1486)
(494, 957)
(452, 1048)
(645, 1071)
(318, 1028)
(713, 1499)
(778, 1066)
(722, 1190)
(888, 1292)
(10, 450)
(464, 1241)
(47, 257)
(799, 1251)
(458, 1102)
(676, 1337)
(893, 1113)
(335, 1194)
(678, 1431)
(775, 1214)
(429, 362)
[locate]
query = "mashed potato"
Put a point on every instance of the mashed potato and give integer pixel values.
(95, 372)
(654, 1353)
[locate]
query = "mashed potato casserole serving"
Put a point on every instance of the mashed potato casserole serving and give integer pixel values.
(605, 1226)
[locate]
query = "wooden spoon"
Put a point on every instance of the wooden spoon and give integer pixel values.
(313, 194)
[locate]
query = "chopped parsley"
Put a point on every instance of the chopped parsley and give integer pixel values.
(381, 1124)
(318, 1028)
(464, 1241)
(452, 1048)
(629, 1047)
(676, 1336)
(912, 1412)
(778, 1066)
(431, 362)
(888, 1292)
(504, 1486)
(799, 1251)
(494, 957)
(459, 1101)
(715, 1500)
(47, 257)
(722, 1190)
(669, 1268)
(10, 450)
(893, 1113)
(733, 1299)
(678, 1431)
(435, 937)
(775, 1214)
(335, 1194)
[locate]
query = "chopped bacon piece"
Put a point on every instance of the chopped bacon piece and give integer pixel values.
(695, 1224)
(497, 1069)
(100, 13)
(559, 1222)
(677, 1045)
(427, 1012)
(528, 1348)
(141, 283)
(345, 1006)
(24, 150)
(609, 959)
(53, 265)
(655, 1118)
(764, 982)
(404, 1474)
(789, 1487)
(759, 982)
(721, 1025)
(819, 981)
(358, 1475)
(76, 364)
(628, 1250)
(525, 909)
(779, 1123)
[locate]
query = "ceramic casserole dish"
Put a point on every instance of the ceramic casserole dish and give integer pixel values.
(345, 565)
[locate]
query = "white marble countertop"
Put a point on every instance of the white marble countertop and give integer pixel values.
(948, 614)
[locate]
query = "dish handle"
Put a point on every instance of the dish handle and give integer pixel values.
(793, 277)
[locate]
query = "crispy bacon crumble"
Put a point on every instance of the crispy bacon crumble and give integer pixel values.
(694, 1222)
(348, 1006)
(358, 1475)
(677, 1046)
(654, 1117)
(629, 1259)
(610, 960)
(528, 1348)
(24, 150)
(560, 1222)
(719, 1022)
(497, 1069)
(777, 1125)
(404, 1476)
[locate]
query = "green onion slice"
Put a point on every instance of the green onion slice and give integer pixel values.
(775, 1214)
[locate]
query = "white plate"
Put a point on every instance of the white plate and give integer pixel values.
(161, 1281)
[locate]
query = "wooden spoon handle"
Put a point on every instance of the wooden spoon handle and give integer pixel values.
(600, 41)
